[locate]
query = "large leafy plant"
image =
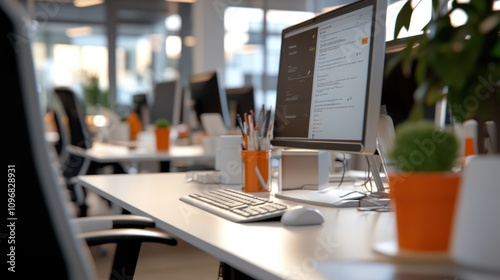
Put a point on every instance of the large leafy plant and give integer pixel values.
(93, 95)
(461, 63)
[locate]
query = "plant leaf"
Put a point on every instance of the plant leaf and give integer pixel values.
(403, 19)
(434, 94)
(417, 112)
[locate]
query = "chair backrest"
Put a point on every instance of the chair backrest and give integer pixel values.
(61, 142)
(73, 107)
(41, 220)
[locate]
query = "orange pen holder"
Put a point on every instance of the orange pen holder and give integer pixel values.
(250, 161)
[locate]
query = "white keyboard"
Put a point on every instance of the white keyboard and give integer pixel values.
(236, 206)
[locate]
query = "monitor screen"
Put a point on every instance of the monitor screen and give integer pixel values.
(208, 96)
(399, 87)
(330, 80)
(167, 102)
(240, 101)
(141, 107)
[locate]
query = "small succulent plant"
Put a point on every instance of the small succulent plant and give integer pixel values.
(162, 123)
(422, 147)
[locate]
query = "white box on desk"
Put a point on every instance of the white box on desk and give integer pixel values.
(304, 169)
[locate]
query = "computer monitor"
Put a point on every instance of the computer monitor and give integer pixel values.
(399, 88)
(141, 107)
(330, 80)
(240, 101)
(208, 95)
(167, 102)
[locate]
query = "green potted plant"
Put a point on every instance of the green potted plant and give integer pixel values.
(162, 132)
(92, 94)
(458, 61)
(422, 147)
(424, 187)
(461, 64)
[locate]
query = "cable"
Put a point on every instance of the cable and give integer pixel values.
(344, 167)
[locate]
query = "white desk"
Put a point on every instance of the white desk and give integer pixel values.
(342, 246)
(105, 153)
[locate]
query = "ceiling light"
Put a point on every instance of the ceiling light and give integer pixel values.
(87, 3)
(78, 31)
(181, 1)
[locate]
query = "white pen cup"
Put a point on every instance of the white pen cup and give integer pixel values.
(228, 158)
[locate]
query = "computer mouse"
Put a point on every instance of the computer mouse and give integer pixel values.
(302, 215)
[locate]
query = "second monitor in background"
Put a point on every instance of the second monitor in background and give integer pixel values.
(141, 107)
(208, 95)
(167, 102)
(240, 101)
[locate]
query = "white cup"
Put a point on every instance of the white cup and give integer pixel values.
(228, 158)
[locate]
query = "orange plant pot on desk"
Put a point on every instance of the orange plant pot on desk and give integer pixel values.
(424, 203)
(162, 132)
(162, 139)
(423, 187)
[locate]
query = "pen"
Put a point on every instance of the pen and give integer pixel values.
(253, 141)
(245, 133)
(260, 120)
(261, 179)
(245, 136)
(266, 122)
(240, 123)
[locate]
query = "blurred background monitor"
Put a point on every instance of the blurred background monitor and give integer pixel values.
(140, 106)
(167, 102)
(398, 89)
(240, 100)
(208, 96)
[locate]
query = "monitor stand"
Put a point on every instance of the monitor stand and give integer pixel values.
(336, 197)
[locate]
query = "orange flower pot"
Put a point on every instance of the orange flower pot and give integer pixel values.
(425, 206)
(162, 139)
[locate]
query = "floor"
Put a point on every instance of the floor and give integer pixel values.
(155, 261)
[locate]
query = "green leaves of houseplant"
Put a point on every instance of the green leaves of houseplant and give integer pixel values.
(460, 62)
(92, 94)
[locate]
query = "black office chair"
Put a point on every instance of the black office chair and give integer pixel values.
(41, 224)
(79, 136)
(61, 142)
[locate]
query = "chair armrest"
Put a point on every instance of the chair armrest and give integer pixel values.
(101, 237)
(93, 223)
(75, 150)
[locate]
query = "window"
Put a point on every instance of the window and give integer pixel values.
(251, 52)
